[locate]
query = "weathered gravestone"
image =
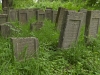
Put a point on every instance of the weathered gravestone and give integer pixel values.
(5, 30)
(32, 13)
(70, 29)
(54, 15)
(3, 18)
(13, 15)
(40, 15)
(24, 48)
(84, 11)
(23, 16)
(59, 18)
(48, 13)
(5, 10)
(92, 24)
(36, 26)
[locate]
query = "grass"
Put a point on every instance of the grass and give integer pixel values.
(78, 60)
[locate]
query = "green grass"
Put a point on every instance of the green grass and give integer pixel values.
(78, 60)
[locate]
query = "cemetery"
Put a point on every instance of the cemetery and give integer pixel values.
(36, 41)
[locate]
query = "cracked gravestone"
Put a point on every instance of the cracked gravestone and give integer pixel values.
(92, 24)
(70, 29)
(24, 47)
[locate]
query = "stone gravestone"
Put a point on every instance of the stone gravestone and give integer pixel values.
(70, 29)
(59, 18)
(54, 15)
(5, 30)
(36, 26)
(3, 18)
(40, 15)
(92, 24)
(32, 13)
(24, 48)
(23, 16)
(48, 13)
(5, 10)
(13, 15)
(84, 18)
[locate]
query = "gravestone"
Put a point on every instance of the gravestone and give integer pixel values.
(92, 24)
(40, 15)
(84, 11)
(48, 13)
(5, 10)
(54, 15)
(3, 18)
(13, 15)
(32, 13)
(24, 47)
(5, 30)
(59, 18)
(70, 29)
(36, 26)
(23, 16)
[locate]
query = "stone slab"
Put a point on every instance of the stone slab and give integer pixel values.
(48, 13)
(24, 47)
(36, 26)
(40, 15)
(23, 16)
(5, 30)
(3, 18)
(92, 24)
(84, 11)
(54, 15)
(70, 29)
(13, 15)
(59, 18)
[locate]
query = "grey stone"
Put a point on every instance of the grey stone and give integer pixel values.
(40, 15)
(84, 11)
(23, 16)
(3, 18)
(92, 24)
(36, 26)
(48, 13)
(54, 15)
(13, 15)
(5, 30)
(59, 18)
(70, 29)
(24, 47)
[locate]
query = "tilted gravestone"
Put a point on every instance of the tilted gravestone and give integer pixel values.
(40, 15)
(36, 26)
(92, 24)
(24, 47)
(3, 18)
(5, 30)
(84, 11)
(59, 18)
(48, 13)
(70, 29)
(13, 15)
(54, 15)
(23, 16)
